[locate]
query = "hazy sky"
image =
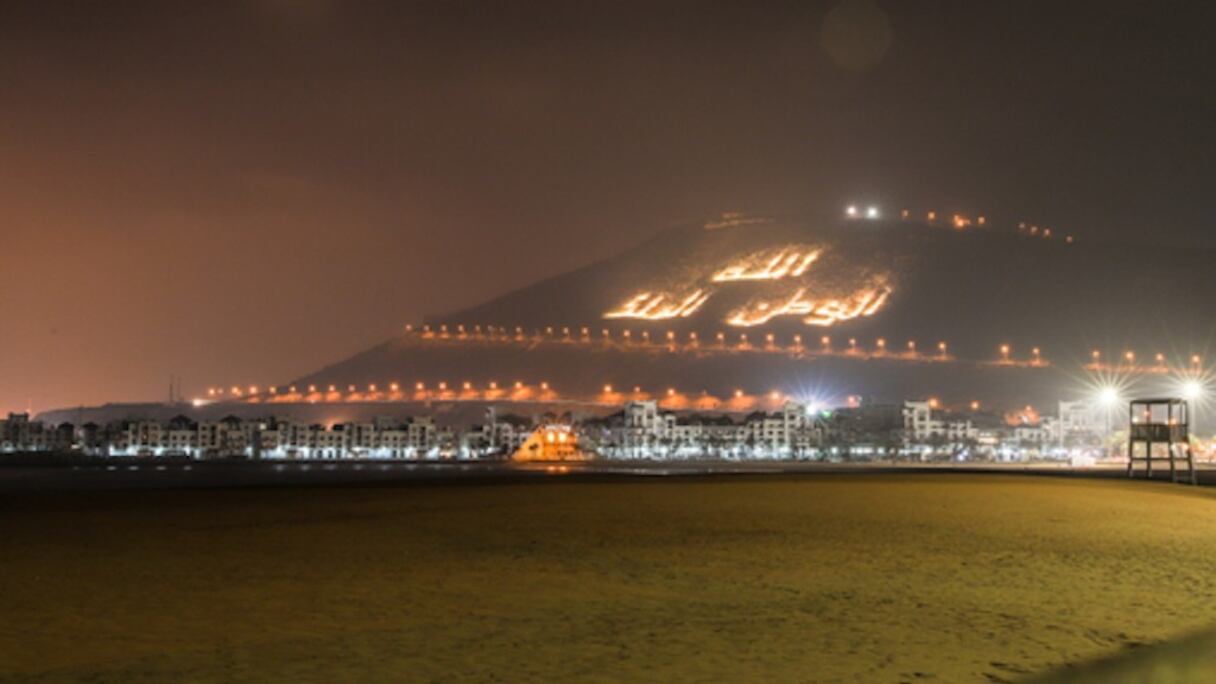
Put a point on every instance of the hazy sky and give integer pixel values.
(242, 192)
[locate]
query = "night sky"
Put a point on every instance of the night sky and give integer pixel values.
(242, 192)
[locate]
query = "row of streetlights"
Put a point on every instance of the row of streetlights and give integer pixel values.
(670, 338)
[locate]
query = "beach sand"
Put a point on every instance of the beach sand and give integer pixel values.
(811, 578)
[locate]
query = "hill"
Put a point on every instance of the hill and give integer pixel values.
(976, 290)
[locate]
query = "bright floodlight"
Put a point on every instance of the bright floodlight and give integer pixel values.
(1192, 390)
(872, 212)
(1108, 396)
(851, 211)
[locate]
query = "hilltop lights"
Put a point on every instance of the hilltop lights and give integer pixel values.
(871, 212)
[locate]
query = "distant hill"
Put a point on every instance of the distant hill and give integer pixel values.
(976, 289)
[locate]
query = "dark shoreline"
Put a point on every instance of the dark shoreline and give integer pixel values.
(156, 474)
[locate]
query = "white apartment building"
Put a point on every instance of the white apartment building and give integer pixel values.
(928, 430)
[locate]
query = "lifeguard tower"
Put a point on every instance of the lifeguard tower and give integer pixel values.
(1161, 426)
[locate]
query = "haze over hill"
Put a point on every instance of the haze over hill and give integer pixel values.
(975, 289)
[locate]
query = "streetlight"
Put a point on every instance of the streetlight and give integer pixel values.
(1192, 390)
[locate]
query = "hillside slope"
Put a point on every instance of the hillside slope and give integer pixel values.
(974, 289)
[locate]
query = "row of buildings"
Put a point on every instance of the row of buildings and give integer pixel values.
(915, 430)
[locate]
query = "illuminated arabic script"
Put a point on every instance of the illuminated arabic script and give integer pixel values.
(787, 262)
(825, 312)
(657, 306)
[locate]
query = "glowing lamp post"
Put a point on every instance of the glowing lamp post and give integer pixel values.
(1192, 390)
(1004, 353)
(1038, 356)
